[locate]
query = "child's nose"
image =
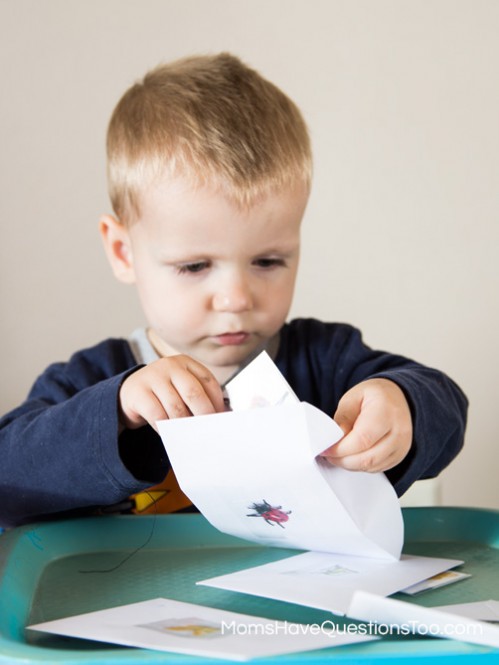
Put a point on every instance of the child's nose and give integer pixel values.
(235, 297)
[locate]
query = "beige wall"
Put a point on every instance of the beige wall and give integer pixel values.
(402, 233)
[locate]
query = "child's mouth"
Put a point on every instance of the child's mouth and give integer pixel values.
(232, 339)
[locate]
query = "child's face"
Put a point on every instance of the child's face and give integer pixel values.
(215, 282)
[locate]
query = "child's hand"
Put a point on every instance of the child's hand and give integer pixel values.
(377, 422)
(171, 387)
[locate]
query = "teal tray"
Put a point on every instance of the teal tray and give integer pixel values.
(55, 569)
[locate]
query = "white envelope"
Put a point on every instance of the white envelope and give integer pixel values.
(255, 473)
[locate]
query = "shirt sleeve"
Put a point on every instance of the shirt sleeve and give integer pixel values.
(60, 448)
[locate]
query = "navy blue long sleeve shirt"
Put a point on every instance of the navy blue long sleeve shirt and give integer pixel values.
(61, 449)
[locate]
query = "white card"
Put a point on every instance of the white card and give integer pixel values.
(437, 581)
(258, 385)
(170, 625)
(257, 474)
(427, 621)
(329, 581)
(483, 610)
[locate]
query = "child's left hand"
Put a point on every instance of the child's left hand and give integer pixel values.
(377, 422)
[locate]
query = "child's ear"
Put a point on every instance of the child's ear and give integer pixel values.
(116, 239)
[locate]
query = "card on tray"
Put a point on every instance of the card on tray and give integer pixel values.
(329, 581)
(425, 621)
(170, 625)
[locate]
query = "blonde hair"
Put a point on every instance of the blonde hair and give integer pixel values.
(210, 119)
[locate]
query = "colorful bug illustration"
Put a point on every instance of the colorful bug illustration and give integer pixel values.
(271, 514)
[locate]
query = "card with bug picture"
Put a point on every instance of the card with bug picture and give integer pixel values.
(255, 472)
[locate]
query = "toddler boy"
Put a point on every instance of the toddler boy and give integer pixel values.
(209, 175)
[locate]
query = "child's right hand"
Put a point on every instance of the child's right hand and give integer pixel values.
(171, 387)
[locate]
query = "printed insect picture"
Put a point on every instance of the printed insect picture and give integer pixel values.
(271, 514)
(186, 627)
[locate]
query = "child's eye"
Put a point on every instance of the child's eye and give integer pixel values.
(269, 262)
(192, 268)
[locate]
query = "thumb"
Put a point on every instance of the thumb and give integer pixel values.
(346, 414)
(348, 411)
(345, 420)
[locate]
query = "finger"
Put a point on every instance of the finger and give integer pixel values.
(170, 399)
(360, 440)
(199, 388)
(146, 409)
(345, 416)
(381, 457)
(348, 411)
(210, 386)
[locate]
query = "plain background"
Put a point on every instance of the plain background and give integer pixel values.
(401, 235)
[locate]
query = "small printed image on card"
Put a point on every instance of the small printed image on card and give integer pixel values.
(189, 629)
(185, 627)
(269, 513)
(330, 570)
(442, 579)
